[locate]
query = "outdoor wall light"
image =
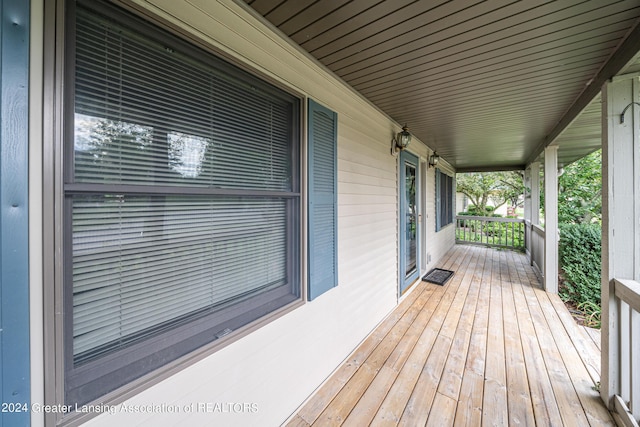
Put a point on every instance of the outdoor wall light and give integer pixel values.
(434, 159)
(401, 140)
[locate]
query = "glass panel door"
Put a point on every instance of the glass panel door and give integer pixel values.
(408, 220)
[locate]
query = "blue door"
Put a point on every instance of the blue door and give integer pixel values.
(409, 226)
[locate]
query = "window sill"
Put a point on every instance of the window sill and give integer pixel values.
(149, 380)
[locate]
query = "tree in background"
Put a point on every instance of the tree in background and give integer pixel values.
(580, 191)
(496, 188)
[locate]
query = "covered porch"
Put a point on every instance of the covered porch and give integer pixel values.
(490, 347)
(490, 87)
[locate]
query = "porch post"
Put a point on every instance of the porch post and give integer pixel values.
(551, 219)
(527, 194)
(535, 193)
(620, 231)
(527, 211)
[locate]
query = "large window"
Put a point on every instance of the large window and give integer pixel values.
(182, 200)
(444, 199)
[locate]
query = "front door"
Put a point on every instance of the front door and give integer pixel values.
(409, 231)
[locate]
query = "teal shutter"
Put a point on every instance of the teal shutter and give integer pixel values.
(438, 201)
(323, 212)
(14, 214)
(450, 200)
(444, 200)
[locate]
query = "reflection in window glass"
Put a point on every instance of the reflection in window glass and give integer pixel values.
(94, 133)
(411, 224)
(186, 153)
(106, 145)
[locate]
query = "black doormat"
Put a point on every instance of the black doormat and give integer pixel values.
(438, 276)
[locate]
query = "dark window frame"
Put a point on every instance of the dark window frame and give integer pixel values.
(281, 301)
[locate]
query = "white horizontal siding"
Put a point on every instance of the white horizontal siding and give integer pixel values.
(279, 365)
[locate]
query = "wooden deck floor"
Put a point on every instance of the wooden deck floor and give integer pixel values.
(488, 348)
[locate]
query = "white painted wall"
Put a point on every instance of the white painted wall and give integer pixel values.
(278, 366)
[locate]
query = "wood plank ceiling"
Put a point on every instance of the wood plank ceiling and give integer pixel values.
(482, 82)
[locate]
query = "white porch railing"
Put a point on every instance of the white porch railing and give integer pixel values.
(491, 231)
(535, 247)
(627, 295)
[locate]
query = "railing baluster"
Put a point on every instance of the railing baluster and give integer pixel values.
(625, 349)
(634, 357)
(466, 229)
(474, 229)
(513, 231)
(493, 233)
(627, 297)
(482, 228)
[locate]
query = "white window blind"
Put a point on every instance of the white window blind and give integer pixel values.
(140, 263)
(140, 104)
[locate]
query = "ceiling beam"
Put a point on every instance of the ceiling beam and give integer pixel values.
(491, 169)
(625, 53)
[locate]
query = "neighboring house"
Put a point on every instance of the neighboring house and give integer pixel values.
(462, 202)
(197, 217)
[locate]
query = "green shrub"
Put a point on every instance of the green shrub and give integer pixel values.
(579, 250)
(472, 210)
(592, 313)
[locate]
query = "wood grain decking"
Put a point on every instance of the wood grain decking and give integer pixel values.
(488, 348)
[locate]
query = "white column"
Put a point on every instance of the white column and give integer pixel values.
(527, 194)
(535, 193)
(551, 219)
(527, 212)
(620, 224)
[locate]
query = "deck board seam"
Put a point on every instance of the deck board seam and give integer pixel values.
(540, 386)
(452, 260)
(533, 282)
(436, 333)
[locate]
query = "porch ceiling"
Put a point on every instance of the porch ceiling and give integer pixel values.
(487, 84)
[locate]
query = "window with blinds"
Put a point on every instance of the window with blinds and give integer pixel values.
(182, 200)
(444, 199)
